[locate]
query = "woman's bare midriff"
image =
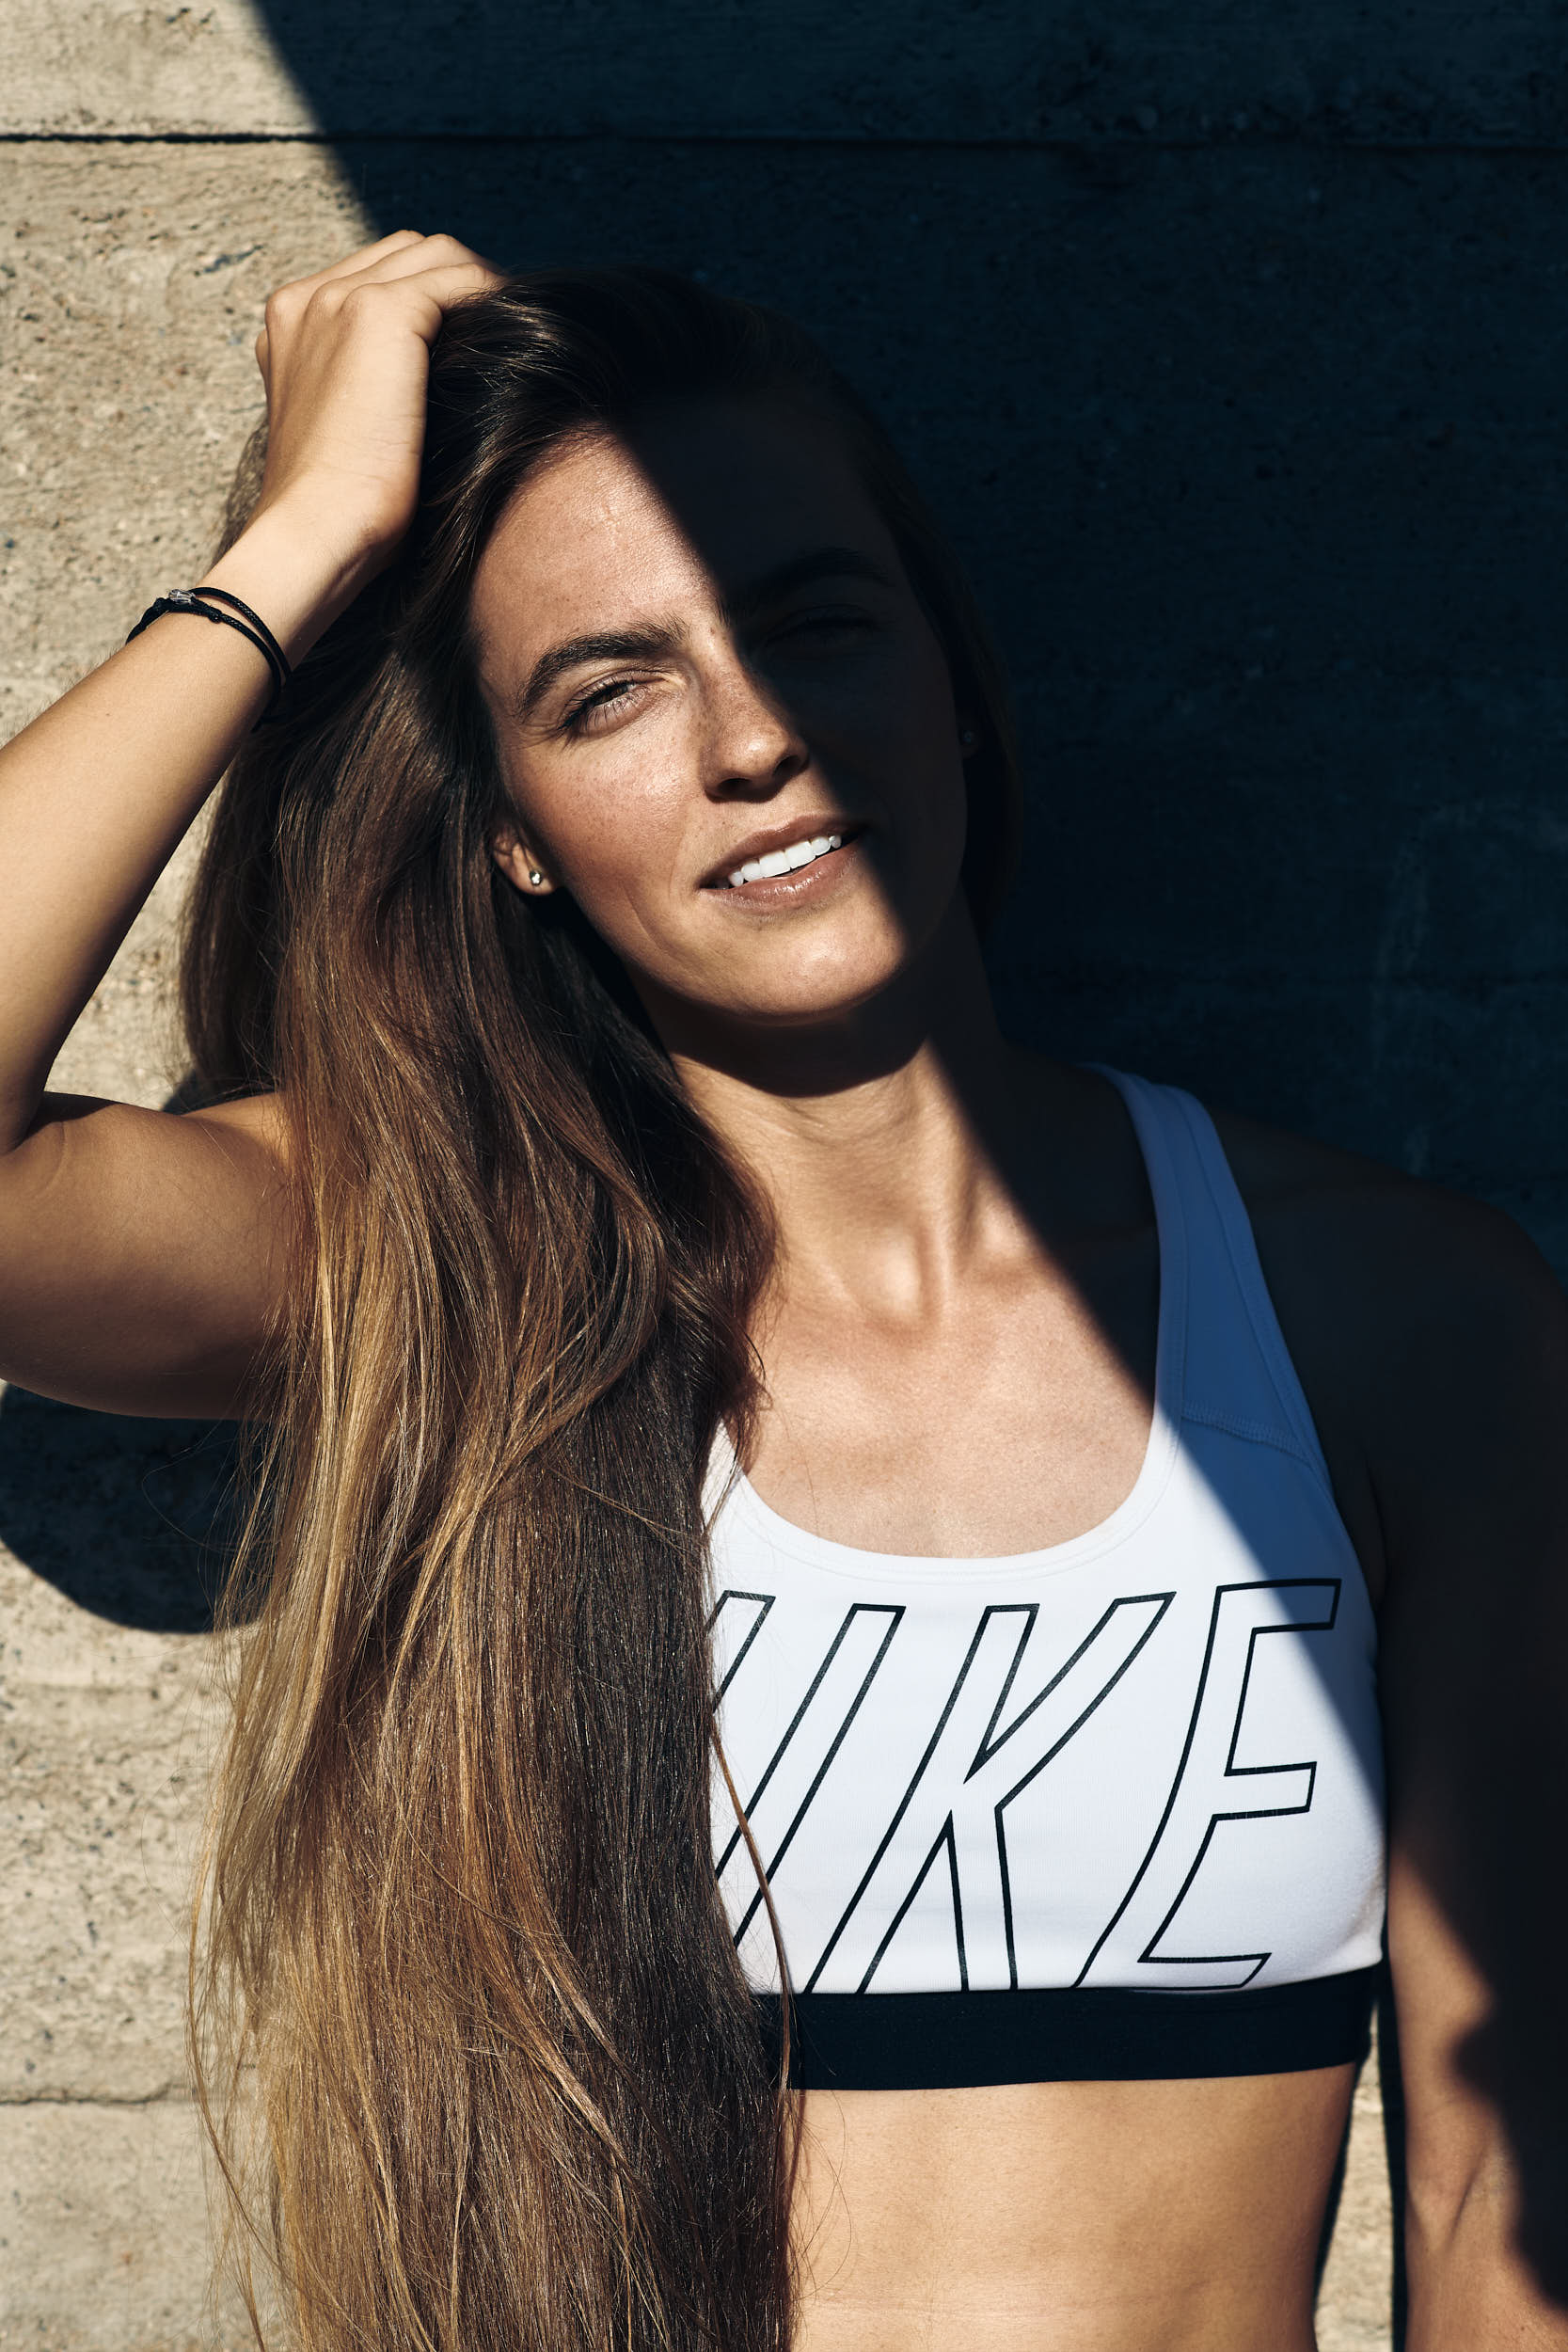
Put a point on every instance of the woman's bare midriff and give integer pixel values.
(1164, 2216)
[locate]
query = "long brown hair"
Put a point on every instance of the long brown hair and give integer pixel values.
(466, 1993)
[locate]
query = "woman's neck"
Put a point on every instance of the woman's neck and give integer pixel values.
(881, 1140)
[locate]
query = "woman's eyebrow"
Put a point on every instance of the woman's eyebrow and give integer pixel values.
(616, 645)
(739, 604)
(803, 571)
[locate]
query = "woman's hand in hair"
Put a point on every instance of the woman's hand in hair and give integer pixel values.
(345, 357)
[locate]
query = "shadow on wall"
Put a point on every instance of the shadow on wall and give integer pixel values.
(855, 69)
(1253, 439)
(1250, 427)
(131, 1519)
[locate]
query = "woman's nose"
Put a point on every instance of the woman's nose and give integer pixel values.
(753, 743)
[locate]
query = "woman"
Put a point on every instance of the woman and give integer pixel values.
(653, 1273)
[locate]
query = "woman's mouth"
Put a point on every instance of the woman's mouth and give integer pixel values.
(790, 860)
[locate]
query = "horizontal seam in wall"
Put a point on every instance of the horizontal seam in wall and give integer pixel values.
(167, 2094)
(1090, 143)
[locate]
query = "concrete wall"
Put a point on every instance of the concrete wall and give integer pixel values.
(1231, 343)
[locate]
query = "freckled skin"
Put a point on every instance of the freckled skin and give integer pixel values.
(835, 699)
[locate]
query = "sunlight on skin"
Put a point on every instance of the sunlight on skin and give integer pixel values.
(658, 706)
(639, 782)
(1045, 2248)
(846, 1002)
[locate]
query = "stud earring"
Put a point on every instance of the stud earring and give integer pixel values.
(536, 877)
(968, 737)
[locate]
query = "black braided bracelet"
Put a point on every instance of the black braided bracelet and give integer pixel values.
(250, 624)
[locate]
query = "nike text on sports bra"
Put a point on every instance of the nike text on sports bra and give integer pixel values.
(1112, 1810)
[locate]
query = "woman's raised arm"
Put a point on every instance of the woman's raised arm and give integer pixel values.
(138, 1251)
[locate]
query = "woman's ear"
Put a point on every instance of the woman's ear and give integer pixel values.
(520, 864)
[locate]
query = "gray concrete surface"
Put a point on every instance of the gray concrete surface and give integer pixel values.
(126, 389)
(1232, 344)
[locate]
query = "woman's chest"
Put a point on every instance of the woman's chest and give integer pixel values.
(1148, 1759)
(1018, 1420)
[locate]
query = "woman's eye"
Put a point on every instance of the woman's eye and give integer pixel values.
(823, 624)
(599, 703)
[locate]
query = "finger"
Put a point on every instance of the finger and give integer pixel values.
(419, 298)
(295, 291)
(459, 281)
(365, 257)
(402, 255)
(427, 253)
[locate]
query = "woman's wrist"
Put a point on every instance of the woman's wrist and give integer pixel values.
(282, 567)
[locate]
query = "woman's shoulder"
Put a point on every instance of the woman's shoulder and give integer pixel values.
(258, 1120)
(1373, 1241)
(1366, 1264)
(1429, 1331)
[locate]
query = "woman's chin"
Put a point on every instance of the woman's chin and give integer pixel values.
(869, 966)
(828, 1013)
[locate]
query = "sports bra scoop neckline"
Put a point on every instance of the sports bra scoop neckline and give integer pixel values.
(1070, 1814)
(1160, 1451)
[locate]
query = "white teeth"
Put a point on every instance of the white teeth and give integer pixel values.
(786, 861)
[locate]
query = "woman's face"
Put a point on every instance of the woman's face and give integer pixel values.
(702, 655)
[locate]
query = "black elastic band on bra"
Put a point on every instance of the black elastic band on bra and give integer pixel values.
(958, 2041)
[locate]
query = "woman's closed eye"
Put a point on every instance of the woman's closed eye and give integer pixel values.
(823, 626)
(609, 700)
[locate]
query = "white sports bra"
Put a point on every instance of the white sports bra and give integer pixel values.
(1111, 1809)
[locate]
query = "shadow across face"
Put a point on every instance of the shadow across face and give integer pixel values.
(725, 723)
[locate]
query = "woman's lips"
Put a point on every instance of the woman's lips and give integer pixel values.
(789, 840)
(825, 868)
(773, 864)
